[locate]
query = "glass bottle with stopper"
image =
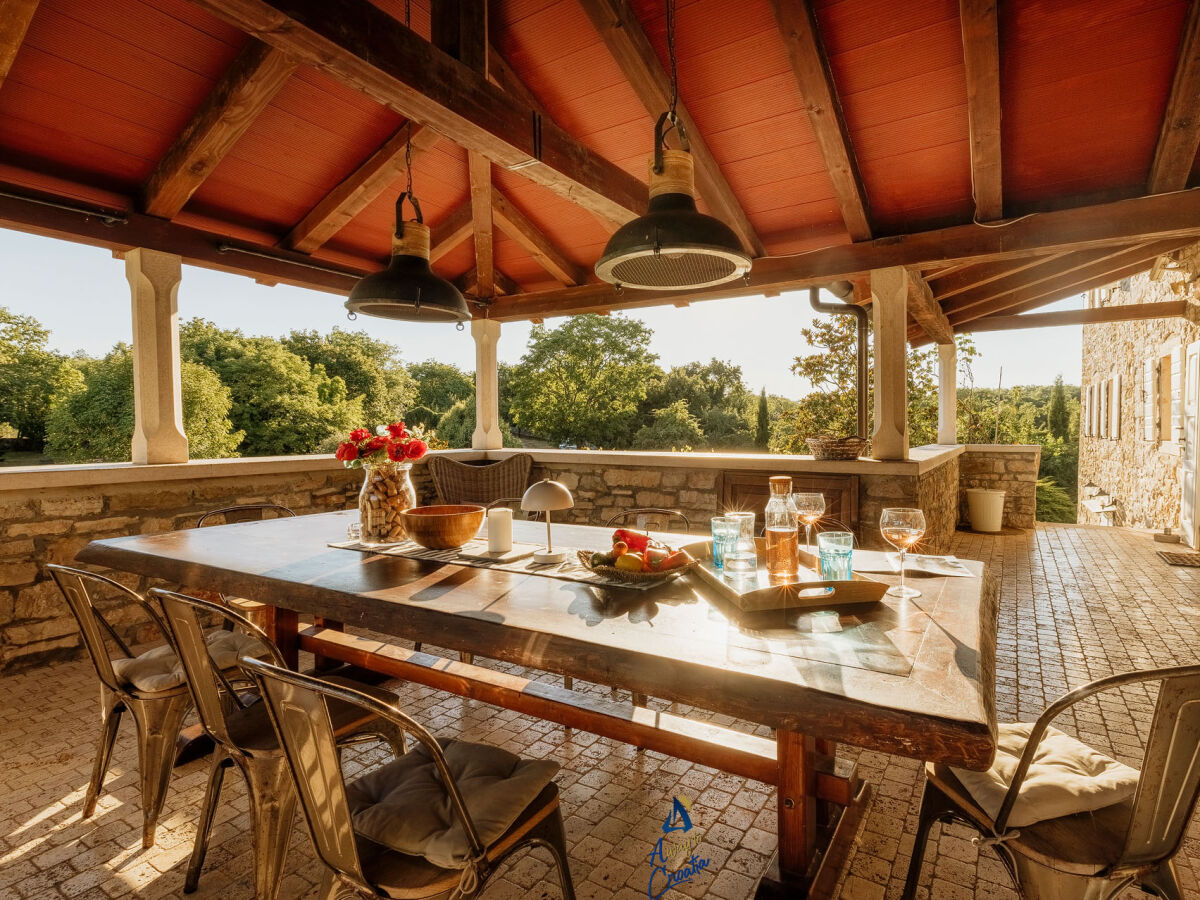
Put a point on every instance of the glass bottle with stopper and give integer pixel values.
(782, 534)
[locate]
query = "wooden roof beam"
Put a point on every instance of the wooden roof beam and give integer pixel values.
(368, 50)
(799, 26)
(509, 219)
(925, 310)
(481, 222)
(618, 26)
(451, 231)
(1179, 136)
(15, 16)
(1155, 218)
(1126, 312)
(981, 55)
(242, 92)
(359, 189)
(468, 283)
(965, 278)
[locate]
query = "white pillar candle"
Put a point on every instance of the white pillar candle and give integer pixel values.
(499, 522)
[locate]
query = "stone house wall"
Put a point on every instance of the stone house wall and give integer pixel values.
(1011, 468)
(1141, 476)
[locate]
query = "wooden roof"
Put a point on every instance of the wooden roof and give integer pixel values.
(834, 135)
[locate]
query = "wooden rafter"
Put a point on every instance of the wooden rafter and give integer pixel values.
(964, 278)
(15, 16)
(242, 92)
(509, 219)
(468, 283)
(925, 310)
(450, 231)
(618, 26)
(799, 26)
(501, 74)
(1126, 312)
(481, 222)
(368, 50)
(981, 55)
(1154, 218)
(1179, 136)
(359, 189)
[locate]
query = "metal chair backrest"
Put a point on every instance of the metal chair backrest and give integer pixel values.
(249, 512)
(93, 626)
(1170, 774)
(297, 705)
(515, 503)
(645, 517)
(458, 482)
(205, 680)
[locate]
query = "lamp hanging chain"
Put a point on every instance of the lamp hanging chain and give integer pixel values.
(671, 55)
(408, 125)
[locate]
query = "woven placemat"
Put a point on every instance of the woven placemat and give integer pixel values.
(1180, 559)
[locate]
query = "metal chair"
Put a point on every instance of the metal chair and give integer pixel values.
(1091, 856)
(244, 737)
(157, 715)
(458, 482)
(647, 517)
(247, 512)
(298, 705)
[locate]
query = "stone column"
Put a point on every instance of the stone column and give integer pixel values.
(947, 394)
(158, 435)
(487, 385)
(889, 305)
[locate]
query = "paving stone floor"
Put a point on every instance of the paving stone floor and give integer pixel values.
(1077, 603)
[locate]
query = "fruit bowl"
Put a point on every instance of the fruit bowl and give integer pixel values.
(585, 560)
(442, 527)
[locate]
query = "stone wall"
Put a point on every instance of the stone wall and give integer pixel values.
(937, 495)
(1142, 476)
(1011, 468)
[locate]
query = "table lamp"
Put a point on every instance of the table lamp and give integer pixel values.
(543, 497)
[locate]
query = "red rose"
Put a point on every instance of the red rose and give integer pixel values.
(396, 452)
(397, 430)
(415, 449)
(347, 452)
(358, 435)
(374, 444)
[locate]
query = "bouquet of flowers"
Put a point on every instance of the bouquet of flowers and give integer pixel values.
(389, 443)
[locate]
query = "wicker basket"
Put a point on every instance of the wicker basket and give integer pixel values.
(585, 560)
(825, 447)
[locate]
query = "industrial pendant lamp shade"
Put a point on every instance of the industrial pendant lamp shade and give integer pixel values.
(408, 289)
(673, 246)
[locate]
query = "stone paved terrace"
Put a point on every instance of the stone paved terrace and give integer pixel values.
(1077, 603)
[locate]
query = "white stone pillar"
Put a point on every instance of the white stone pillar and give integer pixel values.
(889, 305)
(158, 435)
(487, 385)
(947, 394)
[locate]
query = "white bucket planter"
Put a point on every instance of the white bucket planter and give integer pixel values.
(985, 509)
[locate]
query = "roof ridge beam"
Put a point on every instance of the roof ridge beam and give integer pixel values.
(236, 100)
(981, 56)
(1179, 136)
(798, 23)
(626, 40)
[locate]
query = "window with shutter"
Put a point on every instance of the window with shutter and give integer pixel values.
(1164, 398)
(1149, 402)
(1085, 410)
(1114, 426)
(1177, 394)
(1102, 408)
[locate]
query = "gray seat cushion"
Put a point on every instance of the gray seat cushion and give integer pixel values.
(160, 669)
(405, 806)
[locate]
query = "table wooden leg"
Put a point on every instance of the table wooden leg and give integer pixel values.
(324, 663)
(788, 874)
(283, 627)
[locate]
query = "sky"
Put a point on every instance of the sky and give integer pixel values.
(80, 294)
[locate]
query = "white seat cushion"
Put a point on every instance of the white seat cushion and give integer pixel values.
(404, 804)
(160, 670)
(1065, 777)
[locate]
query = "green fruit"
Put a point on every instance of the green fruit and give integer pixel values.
(603, 559)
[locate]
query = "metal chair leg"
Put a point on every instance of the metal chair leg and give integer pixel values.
(556, 838)
(934, 807)
(158, 725)
(568, 682)
(111, 708)
(1161, 880)
(332, 888)
(272, 811)
(212, 796)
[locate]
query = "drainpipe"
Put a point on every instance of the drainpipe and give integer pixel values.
(844, 290)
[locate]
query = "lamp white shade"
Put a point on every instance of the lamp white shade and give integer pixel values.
(547, 495)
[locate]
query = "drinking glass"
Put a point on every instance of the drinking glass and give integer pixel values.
(741, 556)
(902, 528)
(725, 531)
(809, 508)
(835, 549)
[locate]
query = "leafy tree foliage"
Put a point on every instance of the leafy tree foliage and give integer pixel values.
(439, 386)
(672, 428)
(762, 428)
(1058, 417)
(583, 381)
(457, 426)
(28, 373)
(371, 369)
(91, 416)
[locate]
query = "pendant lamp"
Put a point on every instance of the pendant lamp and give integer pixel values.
(408, 289)
(673, 246)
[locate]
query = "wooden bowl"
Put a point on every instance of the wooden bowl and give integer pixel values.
(442, 527)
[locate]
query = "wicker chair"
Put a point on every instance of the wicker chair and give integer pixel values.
(457, 482)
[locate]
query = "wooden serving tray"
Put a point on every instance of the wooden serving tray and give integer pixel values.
(756, 593)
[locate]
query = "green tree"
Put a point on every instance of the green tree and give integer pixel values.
(457, 426)
(28, 373)
(1058, 418)
(91, 416)
(439, 386)
(1053, 503)
(371, 369)
(673, 428)
(762, 430)
(282, 403)
(583, 381)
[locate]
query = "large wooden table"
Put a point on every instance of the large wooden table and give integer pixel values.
(907, 677)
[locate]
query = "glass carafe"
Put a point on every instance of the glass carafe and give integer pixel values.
(782, 534)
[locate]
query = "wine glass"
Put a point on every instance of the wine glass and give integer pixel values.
(902, 528)
(809, 508)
